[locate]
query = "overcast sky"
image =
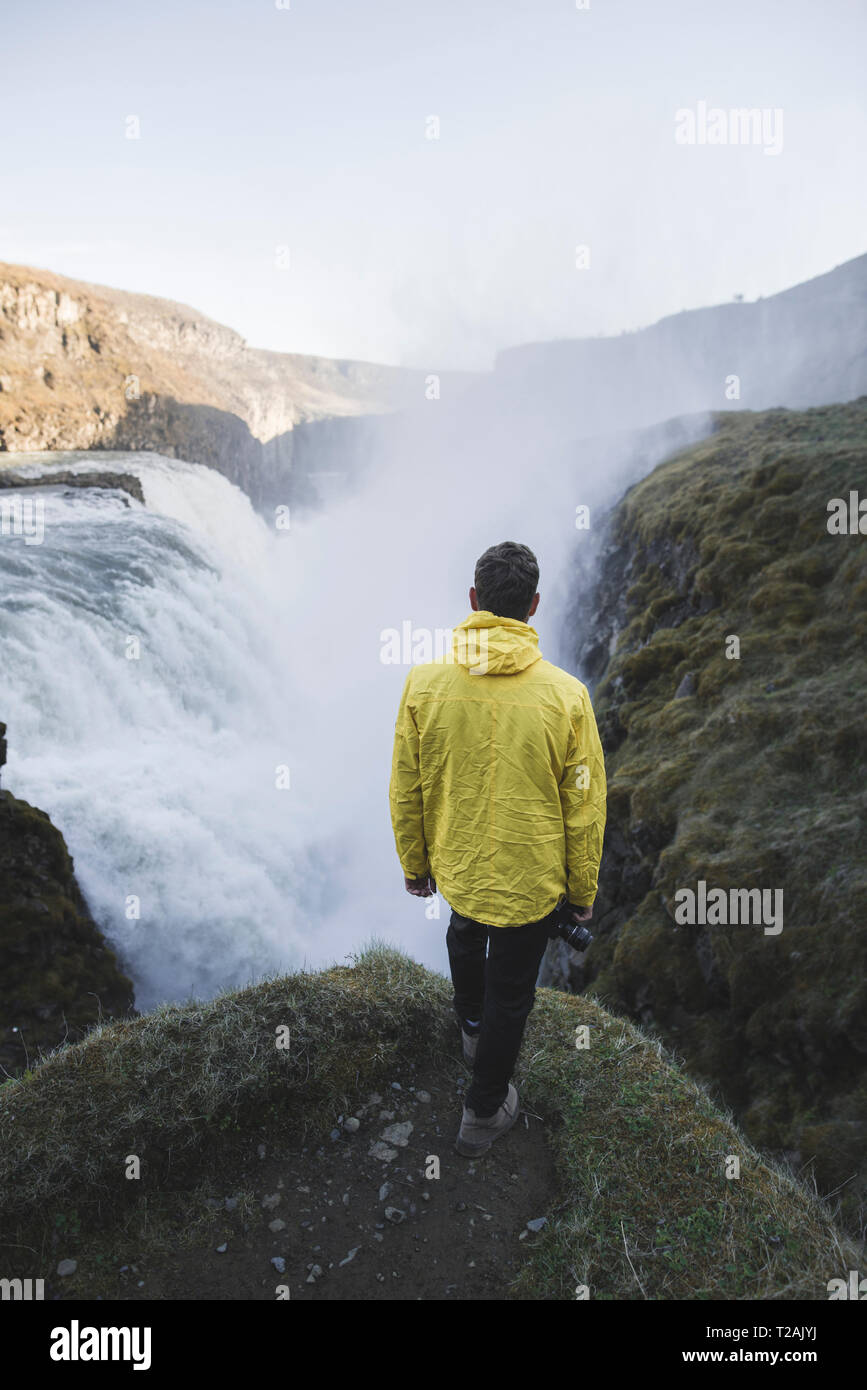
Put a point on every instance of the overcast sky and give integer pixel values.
(283, 180)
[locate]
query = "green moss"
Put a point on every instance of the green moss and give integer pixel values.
(757, 779)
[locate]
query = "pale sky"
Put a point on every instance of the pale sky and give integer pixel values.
(298, 134)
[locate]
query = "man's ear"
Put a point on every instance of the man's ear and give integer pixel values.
(533, 606)
(474, 600)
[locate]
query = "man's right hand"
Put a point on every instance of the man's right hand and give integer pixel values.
(423, 887)
(580, 914)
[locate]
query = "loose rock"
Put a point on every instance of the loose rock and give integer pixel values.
(398, 1134)
(382, 1151)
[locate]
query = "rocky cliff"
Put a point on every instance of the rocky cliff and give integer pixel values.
(741, 763)
(87, 367)
(57, 975)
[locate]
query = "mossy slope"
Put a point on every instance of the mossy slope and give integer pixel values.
(754, 776)
(57, 975)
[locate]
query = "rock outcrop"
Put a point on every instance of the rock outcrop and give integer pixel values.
(57, 975)
(744, 771)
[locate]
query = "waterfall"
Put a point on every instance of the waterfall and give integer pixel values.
(198, 698)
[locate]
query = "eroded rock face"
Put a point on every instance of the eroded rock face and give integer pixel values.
(745, 771)
(57, 974)
(87, 367)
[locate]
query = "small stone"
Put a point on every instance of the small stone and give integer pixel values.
(423, 1096)
(381, 1278)
(261, 1151)
(67, 1267)
(382, 1151)
(279, 1263)
(271, 1201)
(377, 1235)
(335, 1134)
(396, 1086)
(425, 1196)
(374, 1098)
(398, 1134)
(303, 1189)
(395, 1215)
(231, 1203)
(687, 687)
(523, 1235)
(351, 1125)
(351, 1256)
(316, 1272)
(537, 1223)
(346, 1199)
(221, 1249)
(384, 1191)
(277, 1225)
(386, 1114)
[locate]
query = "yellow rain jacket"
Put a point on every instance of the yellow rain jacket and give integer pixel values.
(498, 778)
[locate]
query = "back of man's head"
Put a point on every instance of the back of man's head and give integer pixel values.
(505, 580)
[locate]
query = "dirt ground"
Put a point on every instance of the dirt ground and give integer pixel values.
(363, 1215)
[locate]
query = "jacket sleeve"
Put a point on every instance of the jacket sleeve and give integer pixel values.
(583, 796)
(404, 793)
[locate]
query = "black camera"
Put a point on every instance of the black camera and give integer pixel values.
(575, 934)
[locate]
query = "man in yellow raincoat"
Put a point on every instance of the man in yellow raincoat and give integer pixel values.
(497, 799)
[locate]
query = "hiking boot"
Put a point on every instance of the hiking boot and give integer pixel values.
(476, 1136)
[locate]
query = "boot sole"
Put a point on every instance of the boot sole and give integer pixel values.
(468, 1150)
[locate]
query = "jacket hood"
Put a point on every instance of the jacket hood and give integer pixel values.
(489, 645)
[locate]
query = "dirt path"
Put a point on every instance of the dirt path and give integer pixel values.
(356, 1217)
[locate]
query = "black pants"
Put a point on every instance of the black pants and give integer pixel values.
(500, 991)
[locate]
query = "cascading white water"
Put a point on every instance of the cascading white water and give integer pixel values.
(162, 668)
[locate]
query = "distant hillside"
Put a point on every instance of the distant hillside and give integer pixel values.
(85, 367)
(200, 1094)
(743, 773)
(805, 346)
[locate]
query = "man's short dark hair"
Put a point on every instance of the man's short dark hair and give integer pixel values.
(506, 579)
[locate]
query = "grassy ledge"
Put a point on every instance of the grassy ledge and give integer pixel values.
(644, 1209)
